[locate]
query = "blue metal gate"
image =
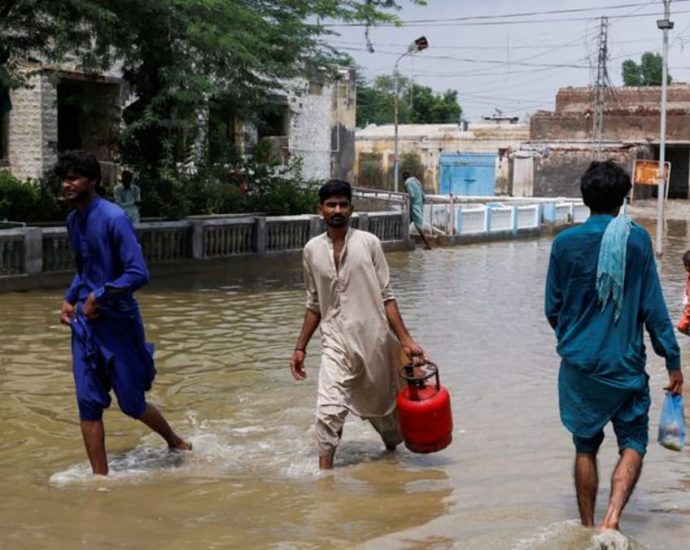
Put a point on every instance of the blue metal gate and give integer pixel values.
(467, 174)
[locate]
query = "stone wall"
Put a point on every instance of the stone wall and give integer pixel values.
(343, 124)
(33, 121)
(27, 150)
(322, 124)
(309, 136)
(557, 171)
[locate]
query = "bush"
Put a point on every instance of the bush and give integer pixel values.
(29, 201)
(243, 186)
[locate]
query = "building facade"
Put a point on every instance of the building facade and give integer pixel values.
(562, 142)
(313, 119)
(427, 148)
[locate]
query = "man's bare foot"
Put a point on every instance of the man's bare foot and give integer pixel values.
(180, 445)
(607, 525)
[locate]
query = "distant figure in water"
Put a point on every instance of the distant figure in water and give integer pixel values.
(346, 276)
(602, 287)
(108, 346)
(127, 196)
(415, 194)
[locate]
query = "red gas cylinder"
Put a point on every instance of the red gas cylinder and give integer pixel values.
(424, 409)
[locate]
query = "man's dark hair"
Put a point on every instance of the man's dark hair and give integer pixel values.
(604, 186)
(406, 174)
(686, 258)
(79, 162)
(127, 176)
(335, 188)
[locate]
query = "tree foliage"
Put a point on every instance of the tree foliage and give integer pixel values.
(648, 72)
(417, 104)
(176, 54)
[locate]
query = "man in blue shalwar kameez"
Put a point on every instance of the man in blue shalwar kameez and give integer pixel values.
(108, 346)
(602, 288)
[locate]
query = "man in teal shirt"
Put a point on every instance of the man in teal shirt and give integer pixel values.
(602, 287)
(416, 197)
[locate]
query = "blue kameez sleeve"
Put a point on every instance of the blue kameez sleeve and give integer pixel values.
(553, 295)
(655, 314)
(72, 294)
(134, 271)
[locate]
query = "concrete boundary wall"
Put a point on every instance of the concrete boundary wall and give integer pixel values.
(32, 257)
(451, 217)
(34, 251)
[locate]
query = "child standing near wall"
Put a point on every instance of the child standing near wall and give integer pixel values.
(684, 323)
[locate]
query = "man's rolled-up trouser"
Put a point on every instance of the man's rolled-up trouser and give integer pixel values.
(336, 383)
(330, 422)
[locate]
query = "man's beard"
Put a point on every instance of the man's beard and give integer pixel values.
(337, 221)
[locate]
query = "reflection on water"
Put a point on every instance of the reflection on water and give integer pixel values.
(224, 333)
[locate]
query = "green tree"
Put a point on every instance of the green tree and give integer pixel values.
(426, 107)
(176, 54)
(376, 103)
(648, 72)
(417, 104)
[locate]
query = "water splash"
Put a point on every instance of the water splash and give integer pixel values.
(610, 539)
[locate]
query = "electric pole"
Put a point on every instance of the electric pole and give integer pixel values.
(665, 25)
(600, 87)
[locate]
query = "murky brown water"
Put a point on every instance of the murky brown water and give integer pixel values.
(224, 335)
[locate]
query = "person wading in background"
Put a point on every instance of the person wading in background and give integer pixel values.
(346, 276)
(415, 194)
(128, 196)
(602, 287)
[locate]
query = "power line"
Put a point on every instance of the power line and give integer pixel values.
(451, 23)
(487, 61)
(548, 47)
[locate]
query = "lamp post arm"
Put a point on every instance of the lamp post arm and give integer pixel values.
(396, 101)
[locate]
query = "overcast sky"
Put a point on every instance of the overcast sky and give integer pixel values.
(497, 58)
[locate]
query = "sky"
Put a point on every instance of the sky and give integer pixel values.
(511, 57)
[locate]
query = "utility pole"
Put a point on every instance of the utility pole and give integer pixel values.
(418, 45)
(600, 88)
(665, 25)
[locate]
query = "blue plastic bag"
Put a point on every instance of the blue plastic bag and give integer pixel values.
(672, 423)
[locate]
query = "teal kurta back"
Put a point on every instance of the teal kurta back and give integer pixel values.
(603, 362)
(416, 194)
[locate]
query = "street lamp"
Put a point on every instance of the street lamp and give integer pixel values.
(665, 25)
(417, 46)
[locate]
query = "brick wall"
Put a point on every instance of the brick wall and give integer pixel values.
(27, 149)
(634, 125)
(631, 114)
(581, 99)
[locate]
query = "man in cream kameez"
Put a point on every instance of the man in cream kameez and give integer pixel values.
(362, 331)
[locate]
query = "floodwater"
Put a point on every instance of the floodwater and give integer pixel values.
(224, 335)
